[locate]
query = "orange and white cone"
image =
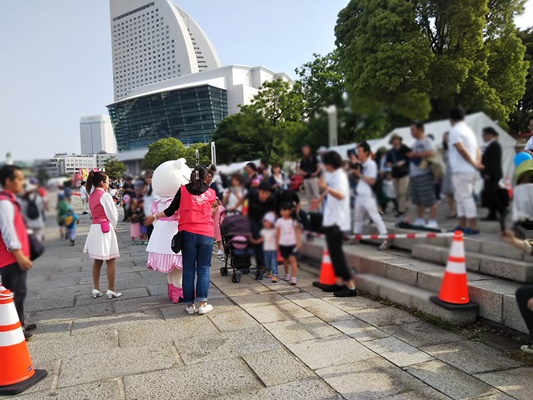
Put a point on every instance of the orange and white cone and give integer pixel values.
(16, 369)
(327, 281)
(454, 290)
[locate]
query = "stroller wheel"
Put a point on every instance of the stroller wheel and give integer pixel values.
(223, 271)
(259, 276)
(236, 278)
(245, 271)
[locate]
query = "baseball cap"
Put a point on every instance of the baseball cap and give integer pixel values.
(270, 217)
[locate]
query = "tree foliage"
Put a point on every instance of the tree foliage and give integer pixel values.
(415, 59)
(172, 149)
(114, 168)
(524, 111)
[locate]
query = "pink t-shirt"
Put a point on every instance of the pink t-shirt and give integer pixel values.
(196, 212)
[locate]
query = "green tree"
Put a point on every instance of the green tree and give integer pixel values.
(164, 150)
(114, 168)
(204, 152)
(415, 59)
(524, 111)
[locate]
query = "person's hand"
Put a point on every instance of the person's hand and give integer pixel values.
(357, 172)
(322, 185)
(314, 205)
(23, 262)
(149, 220)
(298, 246)
(479, 166)
(400, 163)
(530, 304)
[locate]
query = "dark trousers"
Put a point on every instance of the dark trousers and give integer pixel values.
(492, 200)
(523, 294)
(334, 240)
(150, 229)
(14, 279)
(304, 219)
(258, 248)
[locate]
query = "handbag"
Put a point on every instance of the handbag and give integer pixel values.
(106, 227)
(436, 164)
(176, 242)
(36, 247)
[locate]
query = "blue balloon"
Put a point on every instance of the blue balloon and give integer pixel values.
(521, 157)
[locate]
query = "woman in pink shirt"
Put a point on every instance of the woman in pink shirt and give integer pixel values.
(102, 244)
(197, 204)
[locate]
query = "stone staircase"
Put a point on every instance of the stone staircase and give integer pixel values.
(411, 272)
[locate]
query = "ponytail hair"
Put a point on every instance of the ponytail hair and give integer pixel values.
(198, 176)
(95, 179)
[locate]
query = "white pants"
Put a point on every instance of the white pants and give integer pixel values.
(84, 204)
(311, 189)
(367, 204)
(463, 184)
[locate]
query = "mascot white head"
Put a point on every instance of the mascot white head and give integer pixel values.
(169, 177)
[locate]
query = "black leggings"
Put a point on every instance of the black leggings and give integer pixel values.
(14, 279)
(523, 294)
(334, 240)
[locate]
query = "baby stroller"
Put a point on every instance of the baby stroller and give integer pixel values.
(236, 231)
(523, 199)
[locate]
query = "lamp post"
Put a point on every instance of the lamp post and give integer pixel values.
(213, 154)
(333, 125)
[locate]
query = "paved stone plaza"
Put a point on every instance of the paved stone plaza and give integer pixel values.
(262, 341)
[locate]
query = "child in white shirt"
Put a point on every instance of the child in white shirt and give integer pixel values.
(390, 193)
(268, 238)
(289, 241)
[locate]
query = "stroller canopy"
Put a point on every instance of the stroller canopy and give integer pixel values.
(235, 225)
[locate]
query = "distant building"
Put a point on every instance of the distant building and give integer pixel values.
(96, 135)
(9, 159)
(69, 164)
(101, 159)
(168, 79)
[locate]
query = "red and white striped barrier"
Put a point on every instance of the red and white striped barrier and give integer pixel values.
(428, 235)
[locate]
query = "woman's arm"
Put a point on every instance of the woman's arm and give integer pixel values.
(110, 209)
(170, 210)
(298, 236)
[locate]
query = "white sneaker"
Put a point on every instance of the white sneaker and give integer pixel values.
(419, 222)
(432, 224)
(384, 246)
(205, 309)
(191, 310)
(287, 277)
(220, 254)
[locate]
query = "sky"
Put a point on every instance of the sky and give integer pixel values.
(56, 58)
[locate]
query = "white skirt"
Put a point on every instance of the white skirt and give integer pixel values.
(101, 246)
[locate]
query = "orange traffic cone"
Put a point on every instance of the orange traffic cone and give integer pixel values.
(16, 369)
(454, 289)
(280, 258)
(327, 281)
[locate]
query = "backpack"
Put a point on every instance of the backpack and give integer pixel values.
(32, 211)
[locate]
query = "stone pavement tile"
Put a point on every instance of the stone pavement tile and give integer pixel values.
(385, 316)
(225, 345)
(221, 377)
(323, 310)
(46, 385)
(122, 276)
(221, 305)
(516, 382)
(359, 330)
(241, 290)
(277, 367)
(471, 357)
(233, 321)
(105, 390)
(157, 290)
(259, 300)
(117, 363)
(450, 381)
(278, 312)
(261, 394)
(300, 331)
(421, 334)
(306, 389)
(350, 304)
(87, 298)
(132, 320)
(48, 304)
(172, 330)
(375, 378)
(330, 351)
(53, 348)
(72, 313)
(123, 304)
(64, 294)
(299, 296)
(398, 352)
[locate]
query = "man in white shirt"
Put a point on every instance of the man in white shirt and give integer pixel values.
(84, 198)
(365, 201)
(465, 161)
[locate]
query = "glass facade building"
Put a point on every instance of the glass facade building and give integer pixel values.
(190, 115)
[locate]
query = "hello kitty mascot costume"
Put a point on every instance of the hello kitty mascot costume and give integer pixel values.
(166, 181)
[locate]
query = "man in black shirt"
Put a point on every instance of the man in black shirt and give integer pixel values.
(310, 169)
(260, 202)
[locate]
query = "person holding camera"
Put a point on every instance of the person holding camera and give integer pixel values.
(366, 170)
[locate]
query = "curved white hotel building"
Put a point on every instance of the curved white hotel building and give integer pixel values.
(168, 78)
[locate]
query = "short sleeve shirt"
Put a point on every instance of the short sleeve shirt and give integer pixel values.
(370, 170)
(421, 145)
(337, 211)
(287, 229)
(461, 133)
(269, 239)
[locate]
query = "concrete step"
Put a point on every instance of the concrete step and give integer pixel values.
(484, 244)
(518, 271)
(495, 296)
(411, 297)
